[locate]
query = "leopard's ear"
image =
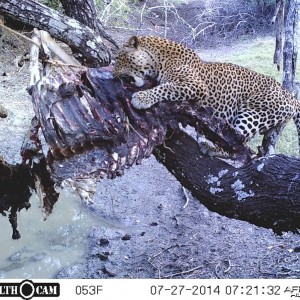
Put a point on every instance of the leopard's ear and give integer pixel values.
(133, 42)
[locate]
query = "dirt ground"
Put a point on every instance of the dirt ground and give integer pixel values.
(156, 236)
(156, 233)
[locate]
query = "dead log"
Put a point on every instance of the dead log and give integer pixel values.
(88, 45)
(15, 186)
(93, 111)
(93, 131)
(18, 181)
(87, 16)
(264, 192)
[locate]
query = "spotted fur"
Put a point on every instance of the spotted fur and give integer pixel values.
(251, 102)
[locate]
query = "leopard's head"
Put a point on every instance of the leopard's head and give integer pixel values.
(135, 61)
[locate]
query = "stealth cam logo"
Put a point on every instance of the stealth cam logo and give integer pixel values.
(27, 289)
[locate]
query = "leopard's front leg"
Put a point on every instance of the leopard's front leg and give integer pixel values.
(169, 91)
(143, 99)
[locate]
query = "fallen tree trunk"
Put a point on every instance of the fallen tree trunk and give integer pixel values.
(93, 111)
(87, 16)
(88, 46)
(16, 183)
(92, 131)
(264, 192)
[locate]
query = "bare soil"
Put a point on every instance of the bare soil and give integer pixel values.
(14, 97)
(158, 232)
(158, 235)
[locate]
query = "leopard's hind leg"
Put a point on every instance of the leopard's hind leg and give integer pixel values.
(249, 122)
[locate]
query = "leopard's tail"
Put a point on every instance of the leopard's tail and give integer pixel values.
(296, 118)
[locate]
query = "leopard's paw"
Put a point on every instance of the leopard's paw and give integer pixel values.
(140, 101)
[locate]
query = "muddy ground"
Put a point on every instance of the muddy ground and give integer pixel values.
(155, 232)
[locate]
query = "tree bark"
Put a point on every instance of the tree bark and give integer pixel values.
(265, 192)
(87, 16)
(290, 50)
(279, 26)
(89, 47)
(16, 184)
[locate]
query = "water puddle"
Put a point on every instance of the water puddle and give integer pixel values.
(47, 246)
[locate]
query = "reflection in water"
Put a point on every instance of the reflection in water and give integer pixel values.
(45, 246)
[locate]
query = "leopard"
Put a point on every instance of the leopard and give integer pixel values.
(251, 102)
